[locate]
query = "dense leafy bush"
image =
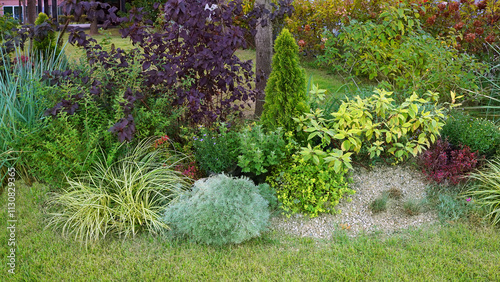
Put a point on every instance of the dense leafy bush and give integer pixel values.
(443, 162)
(23, 100)
(394, 48)
(286, 86)
(472, 23)
(57, 148)
(311, 189)
(219, 210)
(374, 123)
(259, 150)
(216, 149)
(311, 18)
(479, 134)
(485, 190)
(123, 198)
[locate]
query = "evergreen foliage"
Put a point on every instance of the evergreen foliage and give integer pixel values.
(286, 87)
(219, 210)
(45, 38)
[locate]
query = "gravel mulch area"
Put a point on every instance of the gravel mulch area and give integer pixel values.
(356, 216)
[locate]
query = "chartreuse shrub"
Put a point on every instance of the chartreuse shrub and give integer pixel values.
(309, 189)
(260, 150)
(395, 49)
(485, 189)
(44, 42)
(286, 86)
(122, 198)
(375, 123)
(219, 210)
(479, 134)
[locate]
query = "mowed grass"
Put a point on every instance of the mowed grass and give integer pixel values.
(455, 252)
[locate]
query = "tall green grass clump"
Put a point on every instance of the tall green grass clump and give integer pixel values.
(219, 210)
(123, 198)
(23, 99)
(286, 87)
(486, 190)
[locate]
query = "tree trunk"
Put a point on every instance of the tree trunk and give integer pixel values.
(93, 24)
(21, 20)
(264, 50)
(54, 10)
(46, 9)
(40, 8)
(31, 13)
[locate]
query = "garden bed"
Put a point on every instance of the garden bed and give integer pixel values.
(356, 216)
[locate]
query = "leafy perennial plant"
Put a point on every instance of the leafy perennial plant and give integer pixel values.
(384, 128)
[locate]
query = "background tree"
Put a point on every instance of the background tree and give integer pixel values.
(264, 48)
(31, 11)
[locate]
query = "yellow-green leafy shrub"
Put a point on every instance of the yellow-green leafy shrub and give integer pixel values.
(310, 189)
(376, 123)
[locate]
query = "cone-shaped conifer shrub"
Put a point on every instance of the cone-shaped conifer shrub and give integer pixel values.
(286, 86)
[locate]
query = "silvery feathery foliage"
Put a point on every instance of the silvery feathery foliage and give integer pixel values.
(219, 210)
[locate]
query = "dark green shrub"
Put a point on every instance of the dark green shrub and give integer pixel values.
(311, 189)
(219, 210)
(67, 145)
(479, 134)
(286, 86)
(259, 150)
(216, 150)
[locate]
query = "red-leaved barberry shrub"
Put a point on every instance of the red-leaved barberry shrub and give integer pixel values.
(443, 163)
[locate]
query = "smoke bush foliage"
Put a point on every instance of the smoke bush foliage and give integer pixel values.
(195, 44)
(219, 210)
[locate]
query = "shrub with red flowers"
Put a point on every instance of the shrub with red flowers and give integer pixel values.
(471, 23)
(190, 170)
(443, 163)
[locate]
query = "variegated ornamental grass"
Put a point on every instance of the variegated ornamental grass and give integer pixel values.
(122, 198)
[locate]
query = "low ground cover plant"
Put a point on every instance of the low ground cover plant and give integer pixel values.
(123, 198)
(309, 189)
(219, 210)
(379, 204)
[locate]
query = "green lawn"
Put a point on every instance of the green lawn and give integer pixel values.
(457, 252)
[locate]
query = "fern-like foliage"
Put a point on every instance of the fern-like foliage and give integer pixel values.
(286, 87)
(219, 210)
